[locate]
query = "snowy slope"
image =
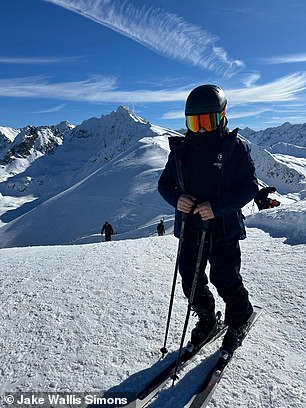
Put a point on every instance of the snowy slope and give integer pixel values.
(288, 149)
(122, 191)
(288, 221)
(92, 317)
(284, 175)
(8, 134)
(294, 162)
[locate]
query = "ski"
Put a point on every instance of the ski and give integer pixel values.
(158, 382)
(207, 388)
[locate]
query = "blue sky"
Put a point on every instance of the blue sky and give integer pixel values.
(74, 59)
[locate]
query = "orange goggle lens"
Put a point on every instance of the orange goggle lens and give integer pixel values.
(207, 121)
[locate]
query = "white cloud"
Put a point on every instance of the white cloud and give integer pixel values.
(284, 59)
(281, 90)
(158, 30)
(247, 114)
(91, 89)
(50, 110)
(94, 89)
(106, 89)
(36, 60)
(249, 79)
(173, 115)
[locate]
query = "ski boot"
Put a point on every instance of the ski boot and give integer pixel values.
(233, 338)
(205, 326)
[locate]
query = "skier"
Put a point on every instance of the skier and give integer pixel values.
(210, 176)
(107, 229)
(160, 228)
(262, 200)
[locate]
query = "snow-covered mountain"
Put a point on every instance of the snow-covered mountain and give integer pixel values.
(8, 134)
(106, 168)
(61, 183)
(122, 191)
(292, 134)
(30, 142)
(288, 149)
(74, 152)
(282, 174)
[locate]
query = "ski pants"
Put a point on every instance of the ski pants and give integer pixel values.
(225, 261)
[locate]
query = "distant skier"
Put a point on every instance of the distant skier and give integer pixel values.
(262, 200)
(108, 231)
(160, 228)
(210, 176)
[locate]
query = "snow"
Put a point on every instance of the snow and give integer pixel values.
(288, 222)
(285, 175)
(79, 314)
(9, 133)
(87, 204)
(289, 149)
(297, 163)
(9, 204)
(92, 317)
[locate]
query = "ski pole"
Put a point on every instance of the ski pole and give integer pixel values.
(191, 297)
(181, 239)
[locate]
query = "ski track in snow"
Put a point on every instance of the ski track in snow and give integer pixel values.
(92, 317)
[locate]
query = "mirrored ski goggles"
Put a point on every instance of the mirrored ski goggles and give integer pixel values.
(207, 121)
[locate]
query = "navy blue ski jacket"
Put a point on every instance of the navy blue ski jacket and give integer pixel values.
(238, 184)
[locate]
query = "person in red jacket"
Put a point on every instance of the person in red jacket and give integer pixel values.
(209, 177)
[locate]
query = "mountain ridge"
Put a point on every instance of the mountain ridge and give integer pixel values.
(293, 134)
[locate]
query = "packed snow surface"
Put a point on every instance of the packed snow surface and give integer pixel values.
(287, 221)
(92, 318)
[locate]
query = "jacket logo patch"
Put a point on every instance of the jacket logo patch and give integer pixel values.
(219, 164)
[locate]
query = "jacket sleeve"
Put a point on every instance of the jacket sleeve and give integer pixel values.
(244, 186)
(167, 184)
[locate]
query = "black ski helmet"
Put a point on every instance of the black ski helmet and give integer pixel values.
(205, 99)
